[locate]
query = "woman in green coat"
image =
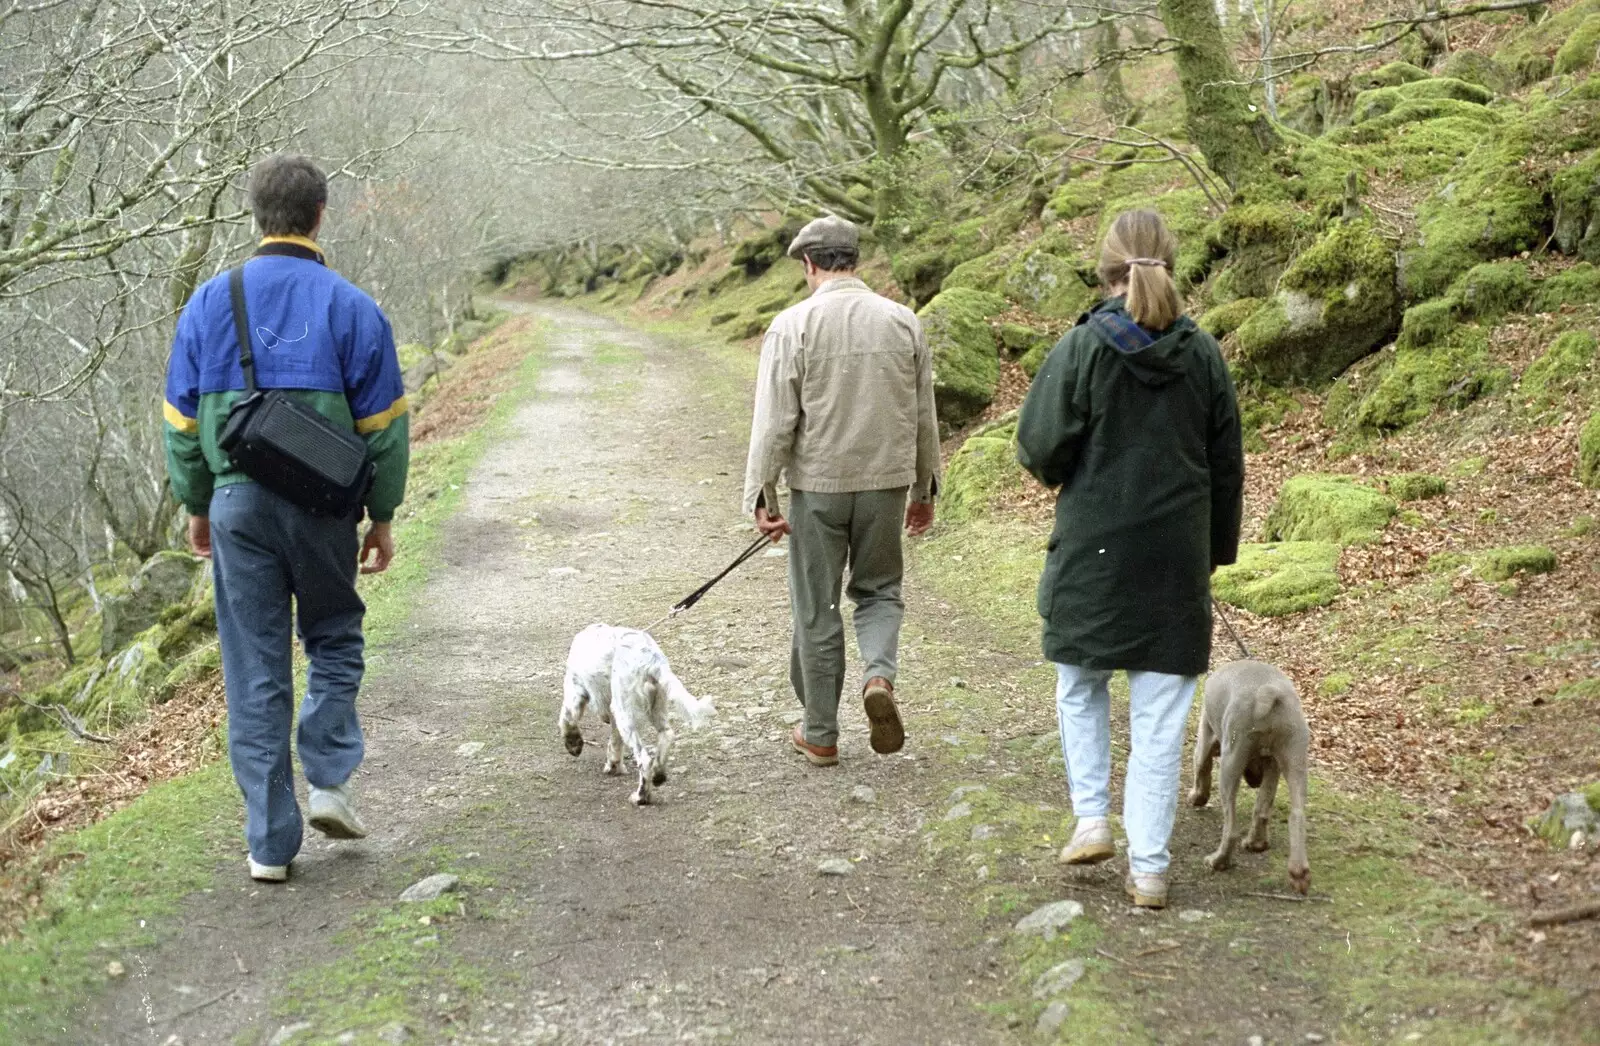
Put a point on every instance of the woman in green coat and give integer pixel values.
(1133, 417)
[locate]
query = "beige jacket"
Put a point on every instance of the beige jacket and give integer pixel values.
(844, 399)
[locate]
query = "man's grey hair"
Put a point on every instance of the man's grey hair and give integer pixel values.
(286, 193)
(833, 259)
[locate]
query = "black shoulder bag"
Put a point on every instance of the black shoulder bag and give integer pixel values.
(288, 447)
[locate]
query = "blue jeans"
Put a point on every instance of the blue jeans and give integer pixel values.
(1158, 715)
(266, 553)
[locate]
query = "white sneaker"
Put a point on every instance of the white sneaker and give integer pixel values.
(1091, 842)
(1146, 891)
(333, 813)
(268, 873)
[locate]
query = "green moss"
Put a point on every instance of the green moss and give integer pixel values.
(1329, 508)
(1280, 578)
(1591, 795)
(1428, 322)
(1392, 75)
(1335, 684)
(198, 664)
(1335, 303)
(1490, 291)
(966, 361)
(1225, 319)
(1416, 486)
(1577, 53)
(1074, 199)
(1018, 339)
(1579, 285)
(1530, 51)
(1475, 67)
(1048, 285)
(984, 468)
(986, 272)
(1502, 564)
(1562, 366)
(1382, 101)
(1589, 452)
(1576, 191)
(1411, 384)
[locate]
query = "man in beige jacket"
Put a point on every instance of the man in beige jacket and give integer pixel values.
(844, 411)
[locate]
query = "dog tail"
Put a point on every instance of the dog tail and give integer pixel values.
(696, 709)
(1261, 705)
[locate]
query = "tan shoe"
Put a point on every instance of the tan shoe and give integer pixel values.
(1091, 842)
(1146, 891)
(816, 755)
(887, 734)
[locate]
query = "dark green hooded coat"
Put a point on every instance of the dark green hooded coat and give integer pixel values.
(1144, 443)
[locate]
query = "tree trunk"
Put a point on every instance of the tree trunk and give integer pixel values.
(1236, 141)
(1114, 101)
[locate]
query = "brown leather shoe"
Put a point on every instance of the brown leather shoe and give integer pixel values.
(816, 755)
(887, 733)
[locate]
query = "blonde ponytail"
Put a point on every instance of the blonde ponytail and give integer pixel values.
(1140, 251)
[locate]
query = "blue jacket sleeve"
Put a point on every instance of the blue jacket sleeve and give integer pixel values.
(191, 477)
(377, 394)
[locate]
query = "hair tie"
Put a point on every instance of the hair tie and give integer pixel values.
(1148, 261)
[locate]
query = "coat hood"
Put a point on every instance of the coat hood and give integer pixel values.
(1155, 359)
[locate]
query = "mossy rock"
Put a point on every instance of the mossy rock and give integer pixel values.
(1332, 508)
(1034, 358)
(1335, 303)
(201, 663)
(1562, 367)
(1530, 51)
(1577, 54)
(1493, 290)
(921, 268)
(1392, 75)
(1018, 340)
(1074, 199)
(1568, 815)
(1415, 486)
(966, 356)
(1280, 578)
(1371, 104)
(1259, 239)
(1225, 319)
(163, 580)
(755, 255)
(1577, 208)
(1047, 285)
(1579, 285)
(1411, 384)
(1589, 452)
(1428, 322)
(986, 272)
(1502, 564)
(1475, 67)
(984, 468)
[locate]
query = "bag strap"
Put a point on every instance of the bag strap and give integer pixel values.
(241, 328)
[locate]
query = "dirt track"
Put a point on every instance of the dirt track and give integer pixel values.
(702, 918)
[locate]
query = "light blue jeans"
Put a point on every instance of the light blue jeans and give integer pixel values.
(1158, 719)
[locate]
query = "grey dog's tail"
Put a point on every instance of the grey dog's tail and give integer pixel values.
(1261, 705)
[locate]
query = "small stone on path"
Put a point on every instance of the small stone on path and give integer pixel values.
(115, 969)
(863, 794)
(564, 572)
(396, 1032)
(835, 866)
(1194, 915)
(1051, 1020)
(1058, 979)
(1255, 1040)
(1316, 1036)
(431, 888)
(1048, 920)
(958, 811)
(981, 832)
(470, 748)
(287, 1032)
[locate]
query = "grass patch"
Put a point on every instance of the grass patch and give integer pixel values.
(119, 880)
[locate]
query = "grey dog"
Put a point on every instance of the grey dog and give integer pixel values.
(1252, 717)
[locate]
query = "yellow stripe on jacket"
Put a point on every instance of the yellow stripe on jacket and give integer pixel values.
(380, 421)
(179, 420)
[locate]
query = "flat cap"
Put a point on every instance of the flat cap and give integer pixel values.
(829, 231)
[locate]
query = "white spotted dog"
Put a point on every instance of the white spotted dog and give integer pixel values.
(626, 677)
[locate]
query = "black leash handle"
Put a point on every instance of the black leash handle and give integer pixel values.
(1217, 604)
(694, 597)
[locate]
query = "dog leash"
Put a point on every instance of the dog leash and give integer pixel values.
(1229, 625)
(694, 597)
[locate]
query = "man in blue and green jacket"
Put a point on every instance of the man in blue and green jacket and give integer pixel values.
(318, 335)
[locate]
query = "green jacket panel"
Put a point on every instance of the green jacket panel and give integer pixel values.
(1147, 451)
